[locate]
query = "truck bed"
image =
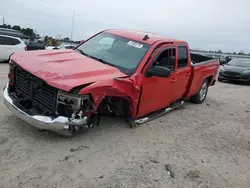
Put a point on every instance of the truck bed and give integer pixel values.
(203, 67)
(198, 59)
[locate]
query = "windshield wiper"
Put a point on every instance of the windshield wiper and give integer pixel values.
(102, 61)
(98, 59)
(82, 52)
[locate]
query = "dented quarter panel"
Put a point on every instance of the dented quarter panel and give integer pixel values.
(122, 87)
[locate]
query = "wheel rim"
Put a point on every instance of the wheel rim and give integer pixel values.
(203, 91)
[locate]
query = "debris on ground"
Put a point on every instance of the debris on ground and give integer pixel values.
(67, 157)
(154, 161)
(170, 171)
(193, 174)
(79, 148)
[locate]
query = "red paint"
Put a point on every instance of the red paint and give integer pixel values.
(66, 69)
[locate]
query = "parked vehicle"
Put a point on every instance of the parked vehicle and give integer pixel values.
(236, 70)
(10, 45)
(224, 59)
(64, 46)
(133, 74)
(35, 46)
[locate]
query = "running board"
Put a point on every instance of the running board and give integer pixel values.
(159, 113)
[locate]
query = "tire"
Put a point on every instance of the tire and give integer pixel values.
(201, 94)
(220, 80)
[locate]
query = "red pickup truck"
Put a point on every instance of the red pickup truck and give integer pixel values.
(137, 75)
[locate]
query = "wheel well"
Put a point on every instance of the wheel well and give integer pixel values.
(209, 79)
(118, 106)
(10, 57)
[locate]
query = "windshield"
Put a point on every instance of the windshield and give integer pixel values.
(116, 51)
(239, 62)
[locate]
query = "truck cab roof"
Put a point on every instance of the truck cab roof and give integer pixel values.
(139, 36)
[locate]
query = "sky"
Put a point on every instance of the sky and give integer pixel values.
(204, 24)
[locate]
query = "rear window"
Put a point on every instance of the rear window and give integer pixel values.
(182, 56)
(8, 41)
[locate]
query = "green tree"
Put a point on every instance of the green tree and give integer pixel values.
(16, 27)
(6, 26)
(219, 51)
(66, 39)
(241, 53)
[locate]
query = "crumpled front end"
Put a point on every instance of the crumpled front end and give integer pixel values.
(46, 107)
(59, 124)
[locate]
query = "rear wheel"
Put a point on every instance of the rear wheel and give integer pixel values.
(202, 93)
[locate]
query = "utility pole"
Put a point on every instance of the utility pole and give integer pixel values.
(3, 20)
(72, 25)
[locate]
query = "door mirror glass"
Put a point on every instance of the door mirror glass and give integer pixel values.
(158, 71)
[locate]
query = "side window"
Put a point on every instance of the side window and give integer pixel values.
(1, 40)
(8, 41)
(182, 56)
(167, 59)
(14, 41)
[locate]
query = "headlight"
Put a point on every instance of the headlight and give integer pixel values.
(246, 72)
(73, 100)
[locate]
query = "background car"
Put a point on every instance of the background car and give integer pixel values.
(35, 46)
(224, 59)
(61, 46)
(10, 45)
(235, 70)
(64, 46)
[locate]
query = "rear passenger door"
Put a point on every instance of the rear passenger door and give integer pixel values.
(184, 72)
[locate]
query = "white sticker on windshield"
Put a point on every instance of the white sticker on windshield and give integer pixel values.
(135, 44)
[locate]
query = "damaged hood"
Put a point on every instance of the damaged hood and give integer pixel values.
(65, 69)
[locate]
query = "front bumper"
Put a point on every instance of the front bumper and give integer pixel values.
(60, 125)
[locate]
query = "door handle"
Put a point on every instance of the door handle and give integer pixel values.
(173, 80)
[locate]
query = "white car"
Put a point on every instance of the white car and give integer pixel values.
(10, 45)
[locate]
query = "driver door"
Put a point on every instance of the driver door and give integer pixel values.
(157, 92)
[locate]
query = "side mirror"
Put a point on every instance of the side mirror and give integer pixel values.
(158, 71)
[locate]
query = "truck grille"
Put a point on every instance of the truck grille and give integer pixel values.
(38, 91)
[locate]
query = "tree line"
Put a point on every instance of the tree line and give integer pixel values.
(32, 34)
(26, 31)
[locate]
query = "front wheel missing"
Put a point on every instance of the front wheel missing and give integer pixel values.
(131, 122)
